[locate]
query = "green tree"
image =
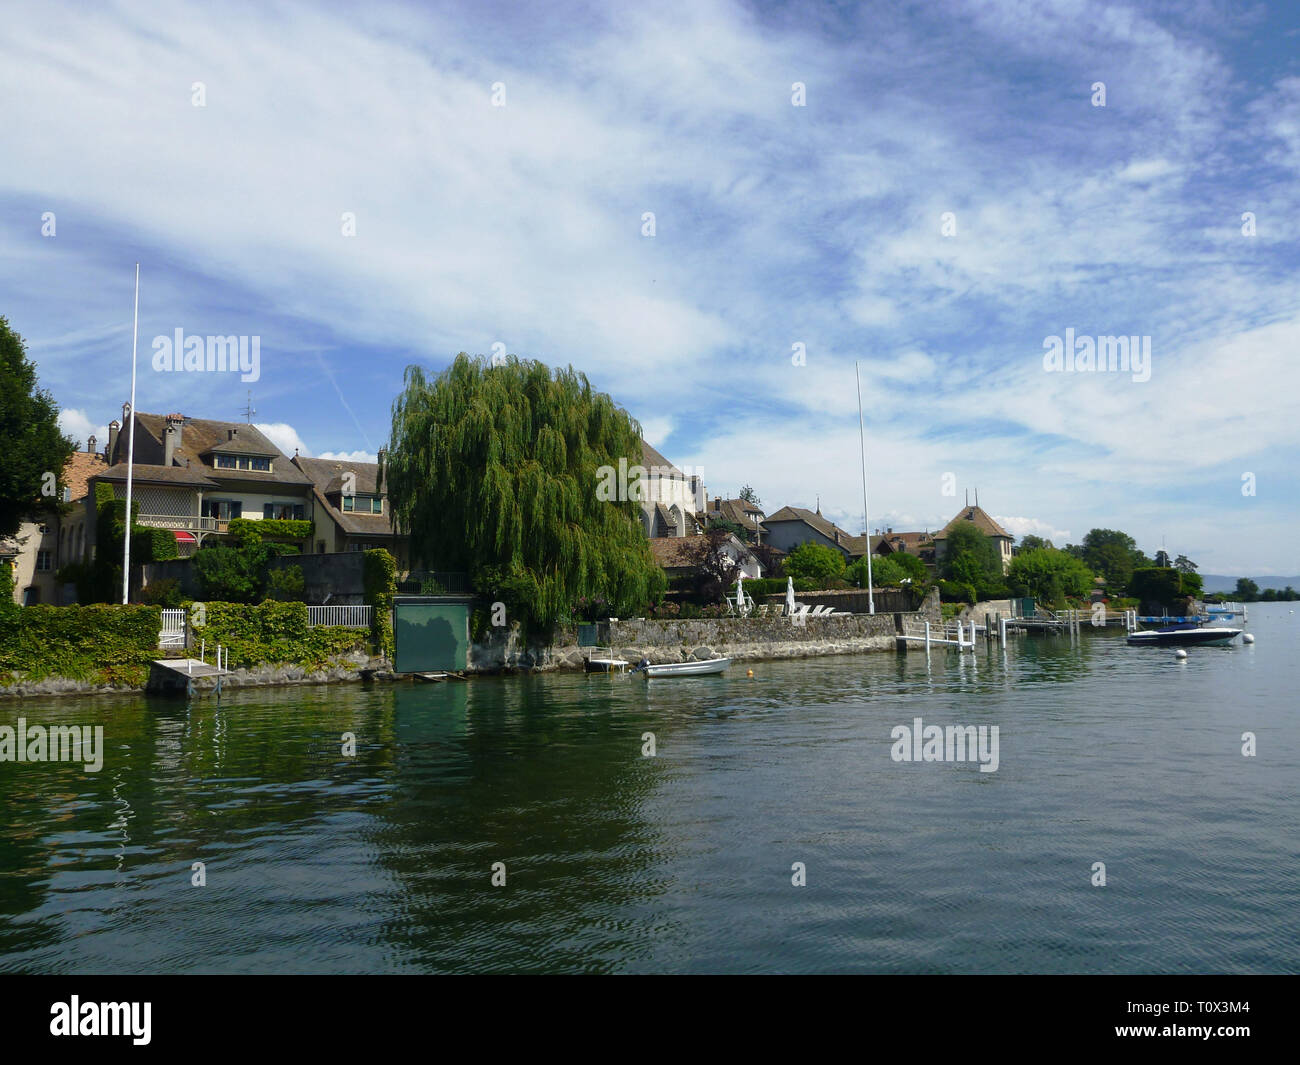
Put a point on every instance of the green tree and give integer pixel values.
(1185, 565)
(727, 526)
(971, 558)
(814, 560)
(885, 570)
(232, 574)
(30, 439)
(1050, 575)
(1030, 542)
(750, 496)
(1247, 590)
(502, 472)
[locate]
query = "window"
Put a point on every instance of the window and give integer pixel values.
(225, 462)
(376, 505)
(283, 511)
(222, 509)
(349, 502)
(42, 562)
(259, 464)
(320, 547)
(237, 462)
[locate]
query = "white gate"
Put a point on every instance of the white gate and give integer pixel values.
(173, 629)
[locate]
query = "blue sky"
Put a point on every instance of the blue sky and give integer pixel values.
(775, 225)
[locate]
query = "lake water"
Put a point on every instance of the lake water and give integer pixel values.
(619, 862)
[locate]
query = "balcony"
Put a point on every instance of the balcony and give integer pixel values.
(183, 522)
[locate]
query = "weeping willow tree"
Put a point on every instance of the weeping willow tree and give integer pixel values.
(493, 470)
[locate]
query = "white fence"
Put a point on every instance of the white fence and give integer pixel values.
(173, 629)
(348, 617)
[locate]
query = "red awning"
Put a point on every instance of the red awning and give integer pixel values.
(183, 537)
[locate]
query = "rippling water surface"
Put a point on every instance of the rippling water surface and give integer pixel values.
(616, 862)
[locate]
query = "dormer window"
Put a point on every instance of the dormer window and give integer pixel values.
(363, 504)
(241, 462)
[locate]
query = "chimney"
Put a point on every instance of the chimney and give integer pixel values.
(172, 437)
(890, 530)
(90, 444)
(113, 429)
(231, 434)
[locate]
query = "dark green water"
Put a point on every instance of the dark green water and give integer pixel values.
(617, 862)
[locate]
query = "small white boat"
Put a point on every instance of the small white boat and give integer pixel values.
(685, 669)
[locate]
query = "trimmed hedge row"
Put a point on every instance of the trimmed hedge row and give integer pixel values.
(100, 644)
(272, 633)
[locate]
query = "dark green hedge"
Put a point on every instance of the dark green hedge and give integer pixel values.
(100, 644)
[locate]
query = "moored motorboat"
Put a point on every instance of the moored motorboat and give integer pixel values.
(695, 668)
(1186, 636)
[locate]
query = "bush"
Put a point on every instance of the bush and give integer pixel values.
(231, 575)
(956, 592)
(814, 560)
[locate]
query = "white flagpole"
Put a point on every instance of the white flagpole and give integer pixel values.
(862, 442)
(130, 449)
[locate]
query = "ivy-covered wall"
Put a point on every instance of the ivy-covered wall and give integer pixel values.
(97, 644)
(381, 585)
(271, 633)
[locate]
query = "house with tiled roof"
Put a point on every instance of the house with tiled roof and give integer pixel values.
(980, 518)
(195, 475)
(51, 541)
(352, 512)
(680, 556)
(737, 511)
(789, 527)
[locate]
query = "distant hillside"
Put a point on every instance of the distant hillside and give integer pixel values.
(1216, 582)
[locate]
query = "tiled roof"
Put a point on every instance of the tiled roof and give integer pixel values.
(327, 474)
(78, 471)
(685, 552)
(146, 473)
(735, 510)
(201, 436)
(977, 517)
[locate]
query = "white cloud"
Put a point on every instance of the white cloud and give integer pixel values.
(349, 456)
(77, 424)
(1019, 527)
(283, 436)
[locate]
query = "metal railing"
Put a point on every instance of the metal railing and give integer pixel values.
(185, 522)
(434, 582)
(345, 617)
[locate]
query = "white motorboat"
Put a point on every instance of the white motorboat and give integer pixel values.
(684, 669)
(1184, 636)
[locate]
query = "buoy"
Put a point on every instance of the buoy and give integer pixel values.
(750, 673)
(1180, 654)
(1248, 638)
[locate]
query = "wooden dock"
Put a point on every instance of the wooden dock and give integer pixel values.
(184, 676)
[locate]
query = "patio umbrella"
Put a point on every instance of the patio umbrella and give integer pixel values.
(789, 595)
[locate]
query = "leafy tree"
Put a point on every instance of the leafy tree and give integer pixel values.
(1050, 575)
(30, 439)
(1030, 542)
(286, 584)
(750, 496)
(1247, 590)
(495, 470)
(911, 566)
(1162, 557)
(971, 558)
(715, 569)
(1185, 564)
(814, 560)
(885, 570)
